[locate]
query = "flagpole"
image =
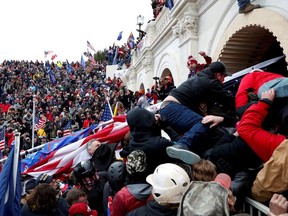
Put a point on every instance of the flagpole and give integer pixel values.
(16, 156)
(33, 121)
(107, 100)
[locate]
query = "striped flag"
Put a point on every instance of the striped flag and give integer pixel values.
(39, 123)
(67, 128)
(90, 46)
(2, 139)
(107, 114)
(46, 53)
(62, 161)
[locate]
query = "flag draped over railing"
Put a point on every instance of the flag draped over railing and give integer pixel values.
(53, 145)
(61, 162)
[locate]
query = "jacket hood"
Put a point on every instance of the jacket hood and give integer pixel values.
(140, 119)
(140, 191)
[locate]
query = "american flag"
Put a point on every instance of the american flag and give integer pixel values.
(46, 53)
(2, 139)
(107, 114)
(67, 128)
(62, 161)
(90, 46)
(39, 123)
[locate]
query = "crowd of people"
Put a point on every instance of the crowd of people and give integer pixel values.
(215, 147)
(219, 147)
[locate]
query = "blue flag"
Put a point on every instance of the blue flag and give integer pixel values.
(107, 114)
(52, 78)
(68, 67)
(10, 185)
(119, 36)
(169, 4)
(83, 62)
(55, 144)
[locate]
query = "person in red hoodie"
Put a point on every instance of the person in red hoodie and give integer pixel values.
(194, 67)
(137, 190)
(250, 83)
(271, 147)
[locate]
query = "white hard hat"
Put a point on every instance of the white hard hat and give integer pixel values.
(169, 182)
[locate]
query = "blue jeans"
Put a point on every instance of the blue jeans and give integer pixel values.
(243, 3)
(184, 120)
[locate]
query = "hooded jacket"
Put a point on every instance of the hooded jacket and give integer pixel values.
(146, 136)
(152, 208)
(129, 198)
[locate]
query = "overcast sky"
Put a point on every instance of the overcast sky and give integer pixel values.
(28, 27)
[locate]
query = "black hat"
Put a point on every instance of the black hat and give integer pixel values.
(30, 185)
(44, 178)
(219, 67)
(103, 156)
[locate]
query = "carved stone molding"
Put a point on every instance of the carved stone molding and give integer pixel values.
(189, 24)
(147, 62)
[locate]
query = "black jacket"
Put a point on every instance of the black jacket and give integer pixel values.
(152, 208)
(203, 88)
(146, 136)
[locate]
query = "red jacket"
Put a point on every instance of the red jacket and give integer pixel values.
(261, 141)
(252, 80)
(124, 202)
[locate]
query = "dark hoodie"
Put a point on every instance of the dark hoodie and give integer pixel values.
(152, 208)
(146, 136)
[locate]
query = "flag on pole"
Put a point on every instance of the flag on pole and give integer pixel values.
(68, 67)
(10, 184)
(169, 4)
(39, 123)
(46, 53)
(90, 46)
(62, 161)
(52, 78)
(53, 57)
(119, 36)
(2, 139)
(107, 113)
(83, 63)
(115, 110)
(91, 58)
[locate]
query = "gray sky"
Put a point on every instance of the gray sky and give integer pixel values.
(28, 27)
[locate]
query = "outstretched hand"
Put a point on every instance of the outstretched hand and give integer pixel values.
(212, 120)
(269, 94)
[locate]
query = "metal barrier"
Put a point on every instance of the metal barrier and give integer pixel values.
(253, 207)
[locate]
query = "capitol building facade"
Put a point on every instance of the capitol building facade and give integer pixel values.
(213, 26)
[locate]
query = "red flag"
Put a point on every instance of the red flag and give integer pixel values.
(62, 161)
(53, 57)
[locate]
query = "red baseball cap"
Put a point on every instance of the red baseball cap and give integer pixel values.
(82, 208)
(224, 180)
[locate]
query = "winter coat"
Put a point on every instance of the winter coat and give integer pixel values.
(152, 208)
(129, 198)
